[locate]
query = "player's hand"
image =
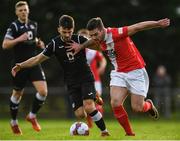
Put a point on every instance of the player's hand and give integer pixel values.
(73, 46)
(23, 37)
(40, 43)
(15, 69)
(164, 22)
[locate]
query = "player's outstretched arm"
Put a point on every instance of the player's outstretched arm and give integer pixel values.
(33, 61)
(91, 44)
(132, 29)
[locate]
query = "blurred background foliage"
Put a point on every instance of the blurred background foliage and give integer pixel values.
(157, 46)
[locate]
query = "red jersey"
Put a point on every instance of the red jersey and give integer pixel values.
(121, 50)
(93, 57)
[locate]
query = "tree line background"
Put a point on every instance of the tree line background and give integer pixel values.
(157, 46)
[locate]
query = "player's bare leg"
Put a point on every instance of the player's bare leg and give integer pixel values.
(139, 105)
(80, 113)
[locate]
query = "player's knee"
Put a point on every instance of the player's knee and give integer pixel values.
(89, 106)
(43, 92)
(15, 99)
(17, 95)
(80, 114)
(115, 102)
(137, 107)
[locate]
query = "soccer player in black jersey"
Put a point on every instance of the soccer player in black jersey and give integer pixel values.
(77, 74)
(21, 36)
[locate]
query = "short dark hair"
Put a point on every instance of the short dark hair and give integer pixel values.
(95, 23)
(66, 21)
(83, 31)
(20, 3)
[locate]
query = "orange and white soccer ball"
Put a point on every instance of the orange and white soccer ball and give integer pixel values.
(79, 128)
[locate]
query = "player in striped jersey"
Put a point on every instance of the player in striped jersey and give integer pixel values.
(129, 76)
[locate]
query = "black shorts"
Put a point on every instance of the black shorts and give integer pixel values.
(80, 92)
(31, 74)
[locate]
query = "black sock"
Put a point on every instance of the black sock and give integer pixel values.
(37, 104)
(97, 118)
(14, 110)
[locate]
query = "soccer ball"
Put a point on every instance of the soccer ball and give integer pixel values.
(79, 128)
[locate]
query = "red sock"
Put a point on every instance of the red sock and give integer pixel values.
(122, 117)
(147, 106)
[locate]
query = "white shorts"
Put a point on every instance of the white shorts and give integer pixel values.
(98, 87)
(136, 81)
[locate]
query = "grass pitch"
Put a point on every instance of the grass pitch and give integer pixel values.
(145, 129)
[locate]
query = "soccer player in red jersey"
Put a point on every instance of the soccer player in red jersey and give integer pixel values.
(97, 63)
(129, 76)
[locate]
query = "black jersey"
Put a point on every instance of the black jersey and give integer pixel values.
(76, 69)
(26, 49)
